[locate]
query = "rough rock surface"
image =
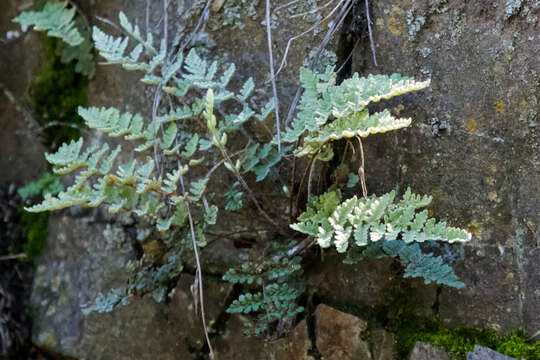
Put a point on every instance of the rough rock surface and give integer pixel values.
(20, 158)
(474, 143)
(423, 351)
(339, 335)
(233, 345)
(382, 345)
(484, 353)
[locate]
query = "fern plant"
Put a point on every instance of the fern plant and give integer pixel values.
(278, 278)
(59, 21)
(163, 185)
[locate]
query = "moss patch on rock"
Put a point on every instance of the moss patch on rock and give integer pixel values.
(458, 342)
(56, 93)
(35, 232)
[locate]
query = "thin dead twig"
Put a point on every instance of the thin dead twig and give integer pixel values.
(13, 257)
(335, 25)
(313, 11)
(289, 42)
(272, 75)
(372, 43)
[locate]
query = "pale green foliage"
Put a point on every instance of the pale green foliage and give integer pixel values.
(359, 222)
(59, 21)
(81, 53)
(54, 18)
(329, 112)
(136, 186)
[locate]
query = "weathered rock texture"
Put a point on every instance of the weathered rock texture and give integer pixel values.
(423, 351)
(19, 63)
(473, 145)
(483, 353)
(339, 335)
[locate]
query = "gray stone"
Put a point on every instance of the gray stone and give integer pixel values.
(483, 166)
(368, 284)
(84, 258)
(338, 335)
(21, 156)
(423, 351)
(484, 353)
(234, 345)
(182, 314)
(382, 345)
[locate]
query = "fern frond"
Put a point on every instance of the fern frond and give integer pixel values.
(323, 102)
(54, 18)
(109, 47)
(373, 219)
(110, 121)
(357, 124)
(418, 264)
(136, 33)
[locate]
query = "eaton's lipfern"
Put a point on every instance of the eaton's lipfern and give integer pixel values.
(56, 19)
(159, 186)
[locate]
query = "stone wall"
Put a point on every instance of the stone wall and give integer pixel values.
(473, 145)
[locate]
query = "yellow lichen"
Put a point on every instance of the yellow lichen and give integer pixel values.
(394, 25)
(499, 107)
(470, 126)
(476, 228)
(490, 180)
(439, 195)
(152, 249)
(492, 196)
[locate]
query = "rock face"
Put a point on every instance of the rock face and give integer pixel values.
(483, 353)
(382, 345)
(338, 335)
(423, 351)
(474, 145)
(19, 60)
(233, 345)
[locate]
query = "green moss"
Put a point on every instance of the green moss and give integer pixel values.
(457, 342)
(35, 232)
(411, 322)
(56, 93)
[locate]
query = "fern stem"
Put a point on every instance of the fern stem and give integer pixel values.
(13, 257)
(362, 169)
(310, 177)
(301, 186)
(248, 189)
(293, 176)
(199, 268)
